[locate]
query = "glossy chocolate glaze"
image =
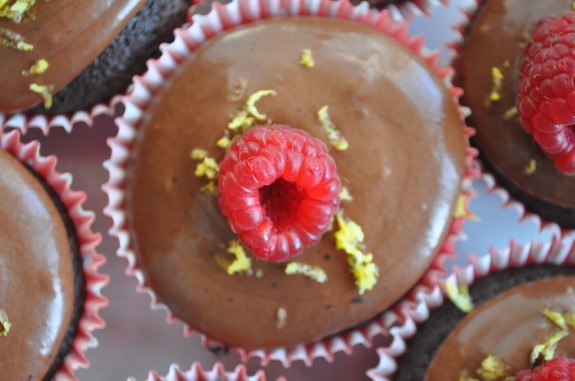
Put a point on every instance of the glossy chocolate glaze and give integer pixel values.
(67, 33)
(36, 275)
(497, 37)
(508, 326)
(404, 168)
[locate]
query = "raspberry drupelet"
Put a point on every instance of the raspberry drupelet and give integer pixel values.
(558, 369)
(546, 99)
(279, 190)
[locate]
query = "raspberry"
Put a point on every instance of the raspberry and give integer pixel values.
(546, 99)
(279, 190)
(558, 369)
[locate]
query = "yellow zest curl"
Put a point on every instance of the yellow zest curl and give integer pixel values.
(39, 67)
(334, 136)
(5, 324)
(492, 368)
(313, 272)
(497, 78)
(530, 168)
(241, 264)
(252, 100)
(14, 40)
(459, 295)
(349, 238)
(44, 91)
(345, 195)
(306, 59)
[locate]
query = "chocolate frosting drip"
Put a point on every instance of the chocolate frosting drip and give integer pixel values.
(41, 278)
(420, 352)
(403, 168)
(504, 147)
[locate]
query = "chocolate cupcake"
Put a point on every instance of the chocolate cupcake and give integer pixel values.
(490, 81)
(197, 373)
(64, 57)
(512, 291)
(50, 283)
(381, 94)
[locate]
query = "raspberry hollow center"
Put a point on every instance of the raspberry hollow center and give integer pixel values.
(281, 201)
(279, 190)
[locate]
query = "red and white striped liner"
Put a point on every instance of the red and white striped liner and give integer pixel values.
(24, 122)
(402, 11)
(203, 27)
(196, 373)
(430, 293)
(45, 167)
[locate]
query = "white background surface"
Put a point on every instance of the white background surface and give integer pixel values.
(138, 339)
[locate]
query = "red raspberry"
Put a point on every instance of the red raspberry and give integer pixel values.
(558, 369)
(279, 190)
(546, 100)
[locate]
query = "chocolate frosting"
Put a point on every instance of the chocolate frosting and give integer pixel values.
(403, 168)
(507, 326)
(67, 33)
(36, 274)
(496, 39)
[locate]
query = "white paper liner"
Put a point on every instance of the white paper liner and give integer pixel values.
(24, 122)
(144, 88)
(87, 242)
(415, 309)
(196, 373)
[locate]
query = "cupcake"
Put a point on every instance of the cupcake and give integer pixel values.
(43, 72)
(344, 231)
(523, 303)
(50, 283)
(510, 147)
(196, 373)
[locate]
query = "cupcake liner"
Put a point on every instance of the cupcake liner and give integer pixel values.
(24, 122)
(430, 293)
(222, 17)
(402, 11)
(87, 243)
(196, 373)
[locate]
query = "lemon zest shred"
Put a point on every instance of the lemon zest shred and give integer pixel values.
(14, 40)
(345, 195)
(17, 10)
(45, 92)
(462, 210)
(281, 318)
(556, 318)
(207, 167)
(530, 168)
(253, 99)
(497, 78)
(459, 295)
(334, 136)
(547, 349)
(492, 368)
(240, 264)
(242, 121)
(306, 58)
(224, 142)
(5, 324)
(313, 272)
(349, 238)
(39, 67)
(510, 114)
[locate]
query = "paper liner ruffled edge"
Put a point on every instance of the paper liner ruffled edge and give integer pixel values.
(144, 88)
(493, 186)
(73, 201)
(24, 122)
(197, 373)
(430, 293)
(400, 12)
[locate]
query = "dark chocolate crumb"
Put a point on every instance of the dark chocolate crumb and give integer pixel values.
(230, 299)
(219, 350)
(274, 285)
(357, 300)
(330, 307)
(327, 257)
